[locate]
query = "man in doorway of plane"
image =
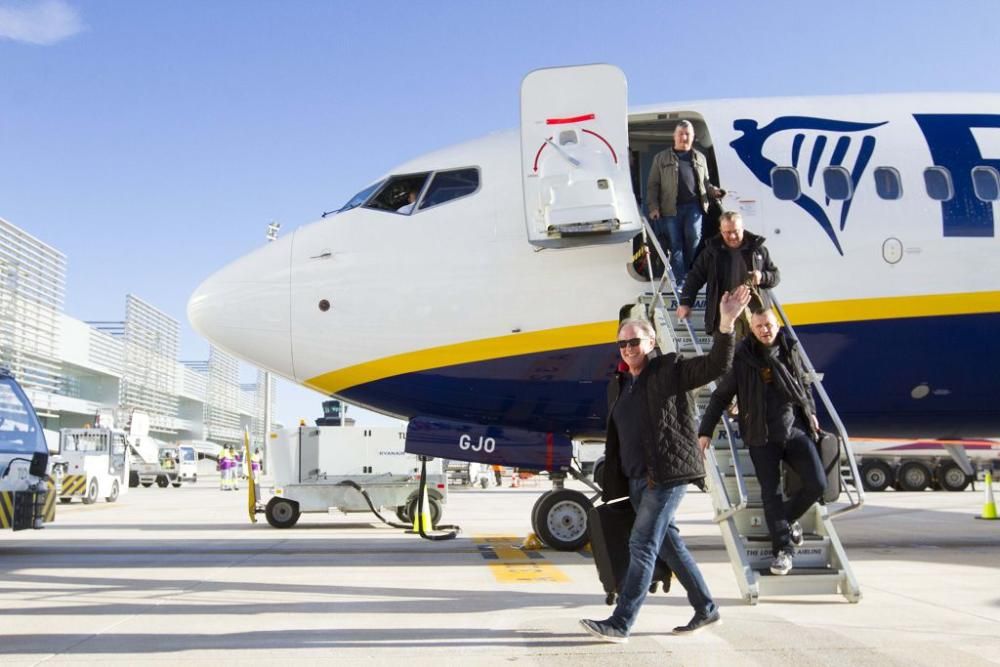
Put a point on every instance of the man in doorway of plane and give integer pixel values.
(734, 257)
(677, 193)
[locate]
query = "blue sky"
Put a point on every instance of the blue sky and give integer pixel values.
(153, 141)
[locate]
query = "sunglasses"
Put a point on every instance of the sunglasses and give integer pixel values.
(631, 342)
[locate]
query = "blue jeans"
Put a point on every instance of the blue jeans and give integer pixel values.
(800, 452)
(655, 532)
(680, 233)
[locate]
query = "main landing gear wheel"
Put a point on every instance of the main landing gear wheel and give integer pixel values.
(282, 513)
(913, 476)
(113, 496)
(876, 475)
(559, 518)
(91, 496)
(951, 477)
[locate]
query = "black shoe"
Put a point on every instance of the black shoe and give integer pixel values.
(604, 631)
(795, 534)
(697, 622)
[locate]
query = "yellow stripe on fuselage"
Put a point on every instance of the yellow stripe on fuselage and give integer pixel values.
(892, 308)
(824, 312)
(499, 347)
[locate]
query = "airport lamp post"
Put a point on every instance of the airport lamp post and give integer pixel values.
(272, 235)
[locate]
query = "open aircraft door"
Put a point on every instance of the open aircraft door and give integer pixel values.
(574, 157)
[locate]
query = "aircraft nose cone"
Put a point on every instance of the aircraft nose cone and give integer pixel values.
(244, 307)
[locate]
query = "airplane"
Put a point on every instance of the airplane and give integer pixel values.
(485, 313)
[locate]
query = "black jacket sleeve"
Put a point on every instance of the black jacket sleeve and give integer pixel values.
(805, 378)
(770, 275)
(721, 397)
(697, 371)
(697, 277)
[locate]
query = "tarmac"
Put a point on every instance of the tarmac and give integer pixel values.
(182, 576)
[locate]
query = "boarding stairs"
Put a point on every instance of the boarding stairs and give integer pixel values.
(820, 565)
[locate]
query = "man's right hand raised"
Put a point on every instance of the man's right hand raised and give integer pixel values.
(730, 307)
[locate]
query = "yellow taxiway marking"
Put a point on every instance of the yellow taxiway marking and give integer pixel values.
(511, 565)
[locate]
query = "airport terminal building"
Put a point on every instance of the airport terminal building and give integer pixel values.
(73, 370)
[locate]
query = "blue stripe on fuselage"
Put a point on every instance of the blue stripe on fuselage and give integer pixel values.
(875, 372)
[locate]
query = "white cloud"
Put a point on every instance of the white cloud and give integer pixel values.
(45, 22)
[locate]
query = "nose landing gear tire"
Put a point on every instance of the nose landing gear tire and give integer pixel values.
(560, 519)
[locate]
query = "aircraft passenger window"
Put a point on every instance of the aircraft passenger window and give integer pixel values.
(888, 184)
(986, 182)
(837, 183)
(785, 183)
(448, 185)
(399, 194)
(937, 180)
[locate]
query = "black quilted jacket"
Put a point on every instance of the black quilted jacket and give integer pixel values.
(670, 442)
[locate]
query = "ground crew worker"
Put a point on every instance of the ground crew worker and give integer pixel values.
(255, 460)
(225, 466)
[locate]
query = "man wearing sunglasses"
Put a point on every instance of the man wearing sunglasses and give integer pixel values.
(652, 454)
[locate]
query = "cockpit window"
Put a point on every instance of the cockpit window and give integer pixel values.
(448, 185)
(360, 198)
(19, 428)
(399, 194)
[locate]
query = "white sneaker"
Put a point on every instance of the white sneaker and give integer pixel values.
(781, 564)
(795, 534)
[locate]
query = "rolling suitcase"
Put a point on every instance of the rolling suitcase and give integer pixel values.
(610, 526)
(829, 455)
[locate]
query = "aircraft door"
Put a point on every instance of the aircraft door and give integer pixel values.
(574, 157)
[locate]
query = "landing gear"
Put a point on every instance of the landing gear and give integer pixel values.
(559, 519)
(435, 509)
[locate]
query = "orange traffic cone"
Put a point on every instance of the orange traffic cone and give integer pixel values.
(990, 507)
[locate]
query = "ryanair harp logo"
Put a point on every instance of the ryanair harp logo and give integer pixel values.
(809, 145)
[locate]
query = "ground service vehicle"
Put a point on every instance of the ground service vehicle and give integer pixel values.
(319, 468)
(92, 463)
(27, 493)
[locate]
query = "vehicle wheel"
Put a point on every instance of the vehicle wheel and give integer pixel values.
(599, 474)
(92, 491)
(147, 484)
(162, 482)
(876, 475)
(66, 500)
(113, 496)
(913, 476)
(282, 513)
(484, 482)
(176, 484)
(951, 477)
(403, 514)
(562, 519)
(435, 510)
(133, 480)
(194, 478)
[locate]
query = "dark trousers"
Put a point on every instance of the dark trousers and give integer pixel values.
(801, 454)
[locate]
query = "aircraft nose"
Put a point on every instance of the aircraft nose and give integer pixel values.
(244, 308)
